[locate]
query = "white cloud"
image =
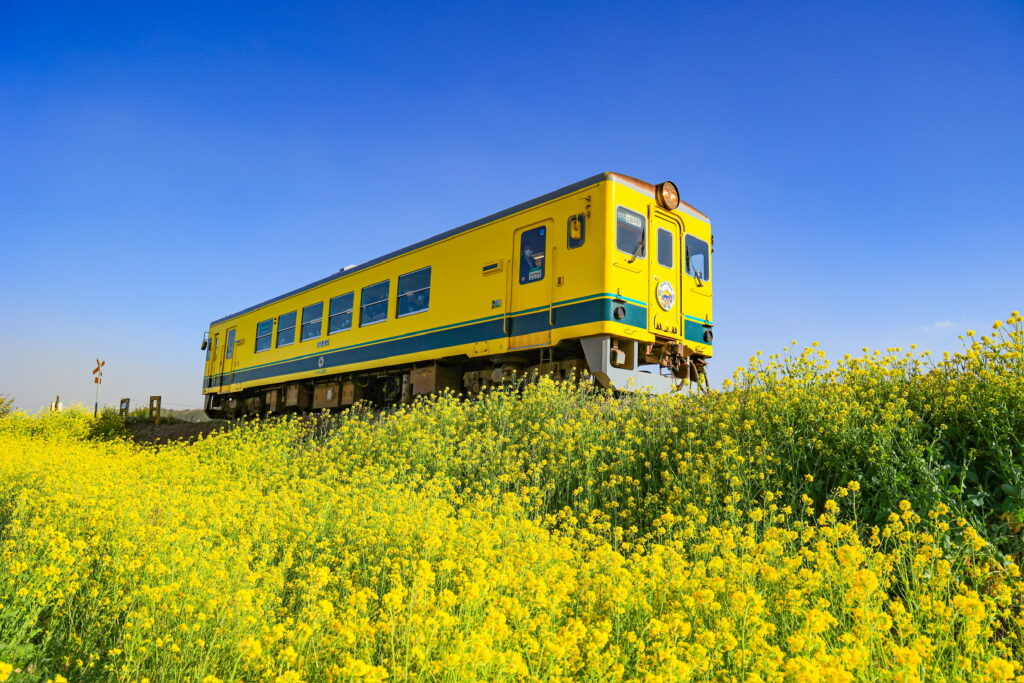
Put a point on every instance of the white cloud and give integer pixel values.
(938, 326)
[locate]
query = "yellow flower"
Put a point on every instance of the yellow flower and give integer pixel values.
(536, 531)
(1000, 669)
(251, 647)
(865, 581)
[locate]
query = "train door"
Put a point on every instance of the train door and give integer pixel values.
(664, 314)
(530, 304)
(228, 360)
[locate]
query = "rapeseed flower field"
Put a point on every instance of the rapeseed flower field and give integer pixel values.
(856, 520)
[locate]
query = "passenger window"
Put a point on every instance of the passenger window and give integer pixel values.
(264, 334)
(341, 313)
(312, 321)
(665, 255)
(630, 230)
(698, 263)
(531, 255)
(414, 292)
(577, 230)
(373, 305)
(229, 347)
(286, 329)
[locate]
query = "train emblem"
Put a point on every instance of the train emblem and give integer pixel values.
(666, 295)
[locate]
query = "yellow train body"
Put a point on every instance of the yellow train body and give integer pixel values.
(598, 277)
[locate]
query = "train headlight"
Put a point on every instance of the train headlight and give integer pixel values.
(667, 195)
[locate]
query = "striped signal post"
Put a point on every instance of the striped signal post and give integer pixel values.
(98, 380)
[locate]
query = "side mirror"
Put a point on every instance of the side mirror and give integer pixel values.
(202, 347)
(575, 228)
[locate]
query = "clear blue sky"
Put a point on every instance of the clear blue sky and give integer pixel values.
(162, 166)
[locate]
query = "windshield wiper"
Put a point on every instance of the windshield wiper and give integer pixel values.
(639, 245)
(691, 271)
(697, 278)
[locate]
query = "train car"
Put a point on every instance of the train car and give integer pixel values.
(609, 278)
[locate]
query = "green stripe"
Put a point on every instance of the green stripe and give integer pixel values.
(324, 350)
(566, 313)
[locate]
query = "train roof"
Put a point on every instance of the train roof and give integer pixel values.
(639, 185)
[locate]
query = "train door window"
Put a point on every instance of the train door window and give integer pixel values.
(414, 292)
(665, 256)
(341, 313)
(264, 335)
(373, 305)
(229, 345)
(312, 321)
(576, 229)
(630, 232)
(531, 255)
(286, 329)
(698, 264)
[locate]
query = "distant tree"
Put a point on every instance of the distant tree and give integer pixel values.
(6, 405)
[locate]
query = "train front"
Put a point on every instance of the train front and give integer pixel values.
(660, 270)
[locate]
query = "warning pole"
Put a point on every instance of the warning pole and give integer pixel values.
(98, 380)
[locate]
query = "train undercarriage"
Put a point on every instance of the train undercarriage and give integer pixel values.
(662, 366)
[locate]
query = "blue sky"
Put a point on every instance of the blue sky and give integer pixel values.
(862, 163)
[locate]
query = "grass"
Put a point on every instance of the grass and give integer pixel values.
(848, 520)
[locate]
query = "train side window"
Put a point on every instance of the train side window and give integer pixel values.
(631, 227)
(698, 264)
(373, 305)
(264, 334)
(312, 321)
(286, 329)
(414, 292)
(341, 313)
(576, 229)
(229, 345)
(665, 256)
(531, 255)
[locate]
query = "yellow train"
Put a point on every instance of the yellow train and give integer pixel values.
(609, 277)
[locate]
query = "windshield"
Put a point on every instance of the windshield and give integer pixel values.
(629, 233)
(698, 263)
